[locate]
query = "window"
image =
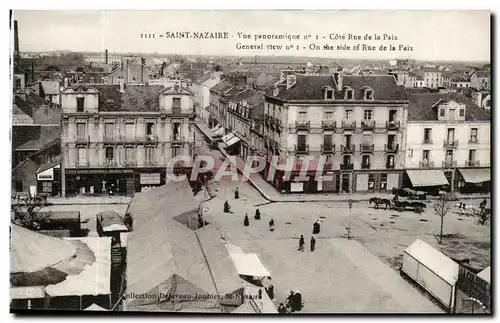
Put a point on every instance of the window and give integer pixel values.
(462, 112)
(451, 135)
(47, 187)
(82, 156)
(473, 135)
(81, 131)
(365, 162)
(129, 154)
(392, 115)
(452, 114)
(348, 114)
(383, 181)
(80, 103)
(349, 94)
(472, 155)
(301, 142)
(176, 151)
(108, 130)
(129, 131)
(329, 94)
(149, 128)
(427, 135)
(390, 161)
(150, 154)
(441, 112)
(302, 116)
(371, 181)
(369, 95)
(176, 131)
(425, 156)
(176, 103)
(109, 154)
(327, 141)
(347, 159)
(329, 115)
(368, 114)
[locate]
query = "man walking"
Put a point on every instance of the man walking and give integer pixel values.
(313, 244)
(301, 243)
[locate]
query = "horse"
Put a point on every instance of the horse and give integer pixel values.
(378, 201)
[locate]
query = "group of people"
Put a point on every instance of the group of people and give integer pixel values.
(293, 303)
(246, 222)
(302, 243)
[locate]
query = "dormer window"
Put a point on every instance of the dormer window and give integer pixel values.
(442, 112)
(328, 93)
(368, 94)
(348, 93)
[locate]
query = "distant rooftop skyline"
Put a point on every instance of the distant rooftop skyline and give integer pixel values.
(434, 35)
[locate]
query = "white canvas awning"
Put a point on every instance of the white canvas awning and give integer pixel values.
(485, 274)
(434, 260)
(228, 137)
(115, 227)
(219, 132)
(27, 292)
(232, 141)
(94, 279)
(249, 264)
(476, 175)
(95, 307)
(427, 177)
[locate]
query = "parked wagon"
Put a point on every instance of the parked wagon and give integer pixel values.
(417, 207)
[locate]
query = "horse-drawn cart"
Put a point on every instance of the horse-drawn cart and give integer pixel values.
(417, 207)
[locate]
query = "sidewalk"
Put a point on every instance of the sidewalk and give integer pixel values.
(272, 195)
(203, 127)
(88, 200)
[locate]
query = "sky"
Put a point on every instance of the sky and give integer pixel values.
(433, 35)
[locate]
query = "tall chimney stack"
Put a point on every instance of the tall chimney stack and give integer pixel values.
(16, 43)
(106, 56)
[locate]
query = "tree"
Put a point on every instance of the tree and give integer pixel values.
(27, 211)
(441, 209)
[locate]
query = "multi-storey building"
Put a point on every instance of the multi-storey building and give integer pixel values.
(459, 80)
(121, 138)
(244, 107)
(480, 80)
(432, 77)
(355, 122)
(447, 143)
(220, 95)
(201, 88)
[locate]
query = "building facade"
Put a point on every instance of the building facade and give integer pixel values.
(432, 77)
(120, 139)
(355, 122)
(450, 134)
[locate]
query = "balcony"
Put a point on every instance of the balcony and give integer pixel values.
(368, 124)
(471, 163)
(328, 149)
(393, 125)
(150, 139)
(328, 166)
(110, 164)
(450, 144)
(129, 163)
(365, 165)
(346, 166)
(177, 139)
(449, 163)
(303, 125)
(367, 148)
(391, 148)
(425, 164)
(301, 149)
(473, 141)
(150, 163)
(82, 164)
(83, 140)
(329, 124)
(348, 149)
(427, 141)
(348, 125)
(390, 166)
(180, 113)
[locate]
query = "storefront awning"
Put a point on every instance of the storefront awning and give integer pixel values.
(427, 177)
(232, 141)
(249, 264)
(219, 132)
(476, 175)
(228, 137)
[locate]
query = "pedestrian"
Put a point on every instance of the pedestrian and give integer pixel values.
(316, 227)
(270, 291)
(227, 208)
(282, 309)
(313, 244)
(298, 301)
(301, 243)
(271, 225)
(257, 214)
(236, 194)
(246, 222)
(290, 302)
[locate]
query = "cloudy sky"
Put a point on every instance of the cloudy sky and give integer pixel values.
(434, 35)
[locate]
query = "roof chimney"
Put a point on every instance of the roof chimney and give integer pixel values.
(339, 78)
(122, 86)
(106, 56)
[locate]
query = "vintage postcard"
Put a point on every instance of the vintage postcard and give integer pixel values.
(243, 162)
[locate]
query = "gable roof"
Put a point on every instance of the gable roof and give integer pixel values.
(421, 105)
(222, 86)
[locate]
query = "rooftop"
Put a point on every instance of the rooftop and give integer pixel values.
(421, 105)
(134, 98)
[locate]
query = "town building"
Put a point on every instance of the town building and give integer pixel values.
(201, 88)
(119, 139)
(243, 108)
(220, 94)
(49, 90)
(450, 135)
(460, 80)
(480, 80)
(132, 70)
(355, 122)
(432, 77)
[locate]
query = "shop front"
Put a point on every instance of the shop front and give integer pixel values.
(49, 180)
(473, 180)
